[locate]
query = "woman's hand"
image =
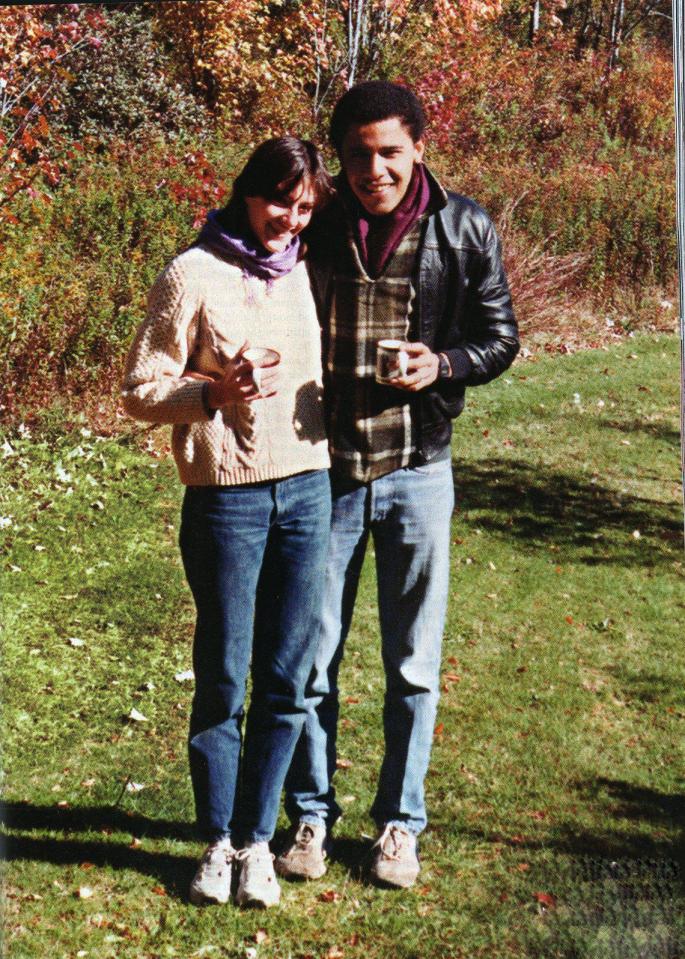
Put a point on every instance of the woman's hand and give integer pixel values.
(237, 384)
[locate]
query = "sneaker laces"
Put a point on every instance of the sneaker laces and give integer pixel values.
(305, 835)
(259, 854)
(393, 836)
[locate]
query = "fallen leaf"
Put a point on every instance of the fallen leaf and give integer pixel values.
(86, 865)
(84, 892)
(261, 935)
(545, 899)
(135, 843)
(569, 620)
(439, 729)
(330, 895)
(136, 717)
(343, 764)
(523, 866)
(75, 641)
(335, 952)
(159, 890)
(132, 787)
(186, 676)
(352, 700)
(452, 677)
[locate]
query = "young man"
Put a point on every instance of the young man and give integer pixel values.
(394, 257)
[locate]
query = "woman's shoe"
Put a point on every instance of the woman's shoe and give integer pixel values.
(212, 881)
(258, 885)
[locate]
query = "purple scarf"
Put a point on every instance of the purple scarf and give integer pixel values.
(380, 236)
(255, 261)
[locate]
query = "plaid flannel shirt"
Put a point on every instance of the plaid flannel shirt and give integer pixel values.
(371, 428)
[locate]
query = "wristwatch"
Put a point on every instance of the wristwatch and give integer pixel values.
(444, 368)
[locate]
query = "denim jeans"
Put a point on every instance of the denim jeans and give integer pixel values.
(254, 556)
(408, 514)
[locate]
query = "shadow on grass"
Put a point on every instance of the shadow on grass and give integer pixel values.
(542, 505)
(172, 871)
(649, 687)
(622, 801)
(658, 429)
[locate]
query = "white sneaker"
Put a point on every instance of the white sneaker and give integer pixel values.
(212, 881)
(258, 885)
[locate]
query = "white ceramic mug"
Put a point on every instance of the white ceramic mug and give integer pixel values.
(260, 358)
(391, 360)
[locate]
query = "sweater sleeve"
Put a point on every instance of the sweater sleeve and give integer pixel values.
(154, 388)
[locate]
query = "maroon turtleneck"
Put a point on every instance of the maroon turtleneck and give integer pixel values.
(379, 236)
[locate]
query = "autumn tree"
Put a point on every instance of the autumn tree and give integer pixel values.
(283, 61)
(38, 44)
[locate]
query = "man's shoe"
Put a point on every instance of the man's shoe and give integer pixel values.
(258, 885)
(212, 881)
(304, 857)
(394, 860)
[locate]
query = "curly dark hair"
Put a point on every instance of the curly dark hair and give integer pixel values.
(376, 100)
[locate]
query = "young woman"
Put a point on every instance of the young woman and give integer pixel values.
(230, 355)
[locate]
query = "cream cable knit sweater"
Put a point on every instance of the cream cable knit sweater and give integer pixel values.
(201, 309)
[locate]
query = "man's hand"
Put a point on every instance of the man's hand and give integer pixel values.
(422, 368)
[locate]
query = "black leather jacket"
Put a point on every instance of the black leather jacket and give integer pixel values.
(462, 303)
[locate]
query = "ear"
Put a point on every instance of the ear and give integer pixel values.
(419, 148)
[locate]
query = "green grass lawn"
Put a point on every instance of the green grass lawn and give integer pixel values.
(556, 793)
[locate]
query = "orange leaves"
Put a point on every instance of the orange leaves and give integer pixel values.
(37, 48)
(330, 895)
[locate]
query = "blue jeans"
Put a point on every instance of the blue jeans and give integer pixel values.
(408, 513)
(254, 556)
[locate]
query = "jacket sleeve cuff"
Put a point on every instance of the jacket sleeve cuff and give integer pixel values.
(460, 363)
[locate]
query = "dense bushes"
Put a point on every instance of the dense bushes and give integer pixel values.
(76, 271)
(586, 158)
(127, 86)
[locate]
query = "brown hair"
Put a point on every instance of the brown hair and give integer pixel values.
(274, 169)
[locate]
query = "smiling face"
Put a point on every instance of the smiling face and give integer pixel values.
(276, 222)
(378, 160)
